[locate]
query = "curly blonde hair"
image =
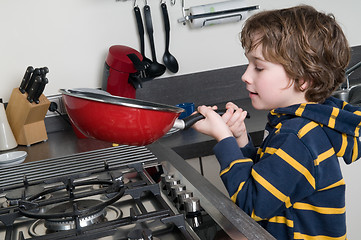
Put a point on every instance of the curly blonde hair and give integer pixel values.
(310, 45)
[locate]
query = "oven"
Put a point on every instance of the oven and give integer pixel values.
(123, 192)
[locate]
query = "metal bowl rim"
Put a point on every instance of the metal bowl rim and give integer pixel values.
(121, 101)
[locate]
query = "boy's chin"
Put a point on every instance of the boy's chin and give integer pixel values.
(259, 106)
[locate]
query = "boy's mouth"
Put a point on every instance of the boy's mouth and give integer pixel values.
(252, 94)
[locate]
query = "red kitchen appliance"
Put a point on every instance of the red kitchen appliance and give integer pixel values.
(120, 74)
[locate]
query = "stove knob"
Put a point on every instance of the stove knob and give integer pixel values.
(140, 234)
(192, 205)
(192, 209)
(181, 196)
(169, 183)
(175, 189)
(163, 179)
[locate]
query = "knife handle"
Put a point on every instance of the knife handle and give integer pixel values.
(44, 71)
(36, 73)
(33, 90)
(26, 79)
(40, 90)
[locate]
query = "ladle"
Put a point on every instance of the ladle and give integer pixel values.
(169, 60)
(156, 68)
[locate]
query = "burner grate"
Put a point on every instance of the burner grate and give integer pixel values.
(73, 164)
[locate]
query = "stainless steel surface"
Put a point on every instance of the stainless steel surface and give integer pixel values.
(352, 69)
(182, 196)
(122, 101)
(346, 85)
(179, 124)
(169, 183)
(214, 15)
(126, 158)
(192, 205)
(192, 208)
(164, 178)
(342, 94)
(76, 181)
(236, 223)
(32, 192)
(351, 95)
(175, 189)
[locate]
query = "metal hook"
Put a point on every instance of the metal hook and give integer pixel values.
(183, 8)
(171, 1)
(146, 2)
(135, 4)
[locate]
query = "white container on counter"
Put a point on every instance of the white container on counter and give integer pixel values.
(7, 139)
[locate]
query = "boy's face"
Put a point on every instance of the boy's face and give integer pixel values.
(268, 84)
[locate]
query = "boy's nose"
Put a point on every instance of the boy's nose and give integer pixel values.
(245, 77)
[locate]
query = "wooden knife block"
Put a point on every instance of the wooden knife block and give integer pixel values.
(27, 119)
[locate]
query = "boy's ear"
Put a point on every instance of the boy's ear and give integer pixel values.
(304, 84)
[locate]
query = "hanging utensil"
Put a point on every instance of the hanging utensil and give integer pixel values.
(156, 68)
(138, 17)
(147, 73)
(169, 60)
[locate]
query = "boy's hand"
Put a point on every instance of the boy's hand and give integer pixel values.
(213, 124)
(234, 118)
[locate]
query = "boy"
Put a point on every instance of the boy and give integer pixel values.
(292, 185)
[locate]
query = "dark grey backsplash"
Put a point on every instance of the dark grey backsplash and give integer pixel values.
(210, 87)
(356, 57)
(201, 88)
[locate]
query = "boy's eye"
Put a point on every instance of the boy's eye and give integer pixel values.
(258, 69)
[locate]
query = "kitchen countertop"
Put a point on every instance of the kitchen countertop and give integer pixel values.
(59, 144)
(188, 144)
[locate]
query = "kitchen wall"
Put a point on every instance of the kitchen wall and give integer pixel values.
(72, 37)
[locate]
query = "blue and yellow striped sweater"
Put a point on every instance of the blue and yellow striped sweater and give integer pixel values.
(292, 185)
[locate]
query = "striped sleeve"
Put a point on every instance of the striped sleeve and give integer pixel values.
(284, 175)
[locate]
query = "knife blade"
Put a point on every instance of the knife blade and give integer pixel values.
(34, 88)
(26, 78)
(36, 73)
(40, 90)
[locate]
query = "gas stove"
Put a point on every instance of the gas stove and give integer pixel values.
(121, 192)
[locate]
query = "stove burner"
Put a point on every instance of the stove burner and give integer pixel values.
(69, 223)
(42, 227)
(116, 189)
